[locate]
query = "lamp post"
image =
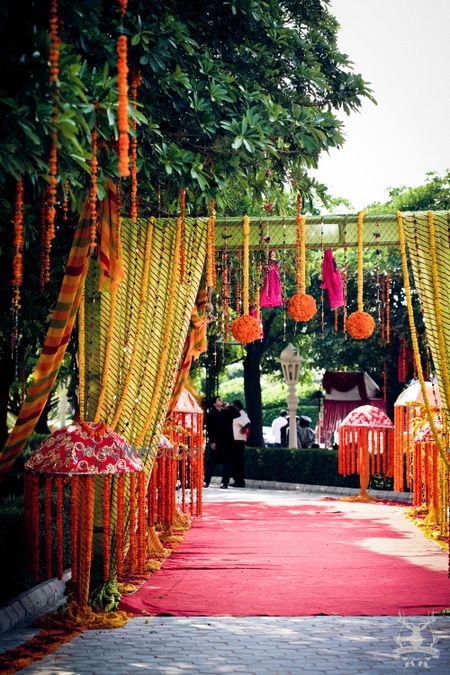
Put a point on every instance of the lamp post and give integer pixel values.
(290, 366)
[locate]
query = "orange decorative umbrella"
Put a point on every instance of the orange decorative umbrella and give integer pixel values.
(365, 445)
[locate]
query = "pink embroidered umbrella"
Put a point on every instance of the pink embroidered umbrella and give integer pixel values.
(82, 452)
(365, 445)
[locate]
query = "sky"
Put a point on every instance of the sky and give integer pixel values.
(402, 48)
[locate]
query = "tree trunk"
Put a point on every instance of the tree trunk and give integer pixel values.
(252, 387)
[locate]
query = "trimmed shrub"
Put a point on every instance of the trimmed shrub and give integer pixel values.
(310, 466)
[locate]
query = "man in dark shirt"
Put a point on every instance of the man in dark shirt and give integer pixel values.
(219, 426)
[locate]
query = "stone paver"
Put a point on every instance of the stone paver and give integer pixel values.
(260, 645)
(176, 645)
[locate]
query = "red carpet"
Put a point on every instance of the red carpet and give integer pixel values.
(252, 559)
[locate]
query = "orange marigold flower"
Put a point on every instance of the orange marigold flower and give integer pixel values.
(246, 329)
(302, 307)
(360, 325)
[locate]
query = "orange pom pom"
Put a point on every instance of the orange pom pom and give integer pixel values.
(302, 307)
(360, 325)
(246, 329)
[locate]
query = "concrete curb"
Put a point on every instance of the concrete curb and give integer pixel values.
(325, 489)
(34, 602)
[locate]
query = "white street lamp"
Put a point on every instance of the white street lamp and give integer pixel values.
(290, 365)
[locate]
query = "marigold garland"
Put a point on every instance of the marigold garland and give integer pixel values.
(93, 188)
(211, 252)
(106, 526)
(302, 307)
(135, 84)
(360, 325)
(388, 308)
(122, 83)
(59, 526)
(414, 340)
(18, 245)
(182, 226)
(45, 262)
(245, 269)
(74, 520)
(55, 42)
(48, 527)
(120, 527)
(246, 328)
(51, 193)
(81, 354)
(141, 529)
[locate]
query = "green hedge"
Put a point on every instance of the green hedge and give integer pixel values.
(273, 410)
(315, 466)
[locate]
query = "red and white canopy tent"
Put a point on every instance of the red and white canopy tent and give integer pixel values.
(345, 391)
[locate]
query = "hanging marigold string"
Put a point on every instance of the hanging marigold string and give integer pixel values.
(65, 204)
(48, 527)
(55, 42)
(120, 527)
(18, 246)
(246, 328)
(388, 308)
(211, 254)
(45, 262)
(122, 83)
(301, 307)
(300, 246)
(106, 526)
(81, 355)
(59, 526)
(93, 189)
(51, 193)
(141, 528)
(360, 325)
(182, 226)
(136, 81)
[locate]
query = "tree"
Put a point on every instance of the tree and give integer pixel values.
(228, 90)
(434, 194)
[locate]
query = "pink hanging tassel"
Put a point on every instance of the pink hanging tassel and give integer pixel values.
(331, 280)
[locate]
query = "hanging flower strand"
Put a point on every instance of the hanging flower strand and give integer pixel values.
(360, 325)
(55, 42)
(301, 307)
(122, 82)
(246, 328)
(54, 54)
(135, 83)
(182, 225)
(211, 257)
(93, 189)
(18, 246)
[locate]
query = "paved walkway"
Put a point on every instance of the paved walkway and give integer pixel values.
(260, 645)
